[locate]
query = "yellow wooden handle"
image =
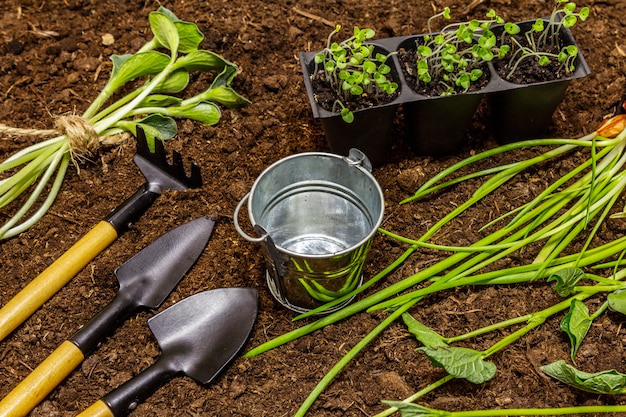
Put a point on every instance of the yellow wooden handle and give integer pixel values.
(97, 409)
(39, 383)
(53, 278)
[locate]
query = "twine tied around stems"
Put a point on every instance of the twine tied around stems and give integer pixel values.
(79, 131)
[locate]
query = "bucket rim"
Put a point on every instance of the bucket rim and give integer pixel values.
(376, 222)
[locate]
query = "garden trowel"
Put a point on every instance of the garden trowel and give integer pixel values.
(198, 336)
(160, 175)
(145, 281)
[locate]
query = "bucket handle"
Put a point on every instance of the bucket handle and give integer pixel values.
(236, 222)
(358, 158)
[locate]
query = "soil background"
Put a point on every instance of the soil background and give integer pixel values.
(54, 62)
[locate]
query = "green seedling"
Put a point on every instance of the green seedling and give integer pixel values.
(542, 39)
(352, 68)
(158, 79)
(453, 57)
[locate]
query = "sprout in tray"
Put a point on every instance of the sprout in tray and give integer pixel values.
(160, 78)
(541, 40)
(353, 69)
(451, 61)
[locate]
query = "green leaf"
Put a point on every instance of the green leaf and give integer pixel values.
(569, 21)
(538, 25)
(463, 81)
(165, 31)
(566, 279)
(369, 67)
(423, 334)
(155, 127)
(190, 36)
(488, 40)
(461, 363)
(225, 96)
(206, 113)
(475, 74)
(605, 382)
(617, 301)
(584, 13)
(511, 28)
(572, 50)
(174, 83)
(504, 49)
(129, 67)
(202, 60)
(446, 13)
(576, 324)
(356, 90)
(424, 51)
(347, 115)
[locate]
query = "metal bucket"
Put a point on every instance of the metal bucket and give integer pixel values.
(316, 215)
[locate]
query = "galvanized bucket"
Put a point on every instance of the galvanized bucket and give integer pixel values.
(315, 214)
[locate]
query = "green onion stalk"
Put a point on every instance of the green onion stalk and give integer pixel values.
(41, 168)
(578, 202)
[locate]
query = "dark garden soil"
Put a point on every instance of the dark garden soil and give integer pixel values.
(54, 62)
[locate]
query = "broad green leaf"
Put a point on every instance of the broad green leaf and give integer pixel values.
(202, 60)
(461, 363)
(118, 61)
(165, 31)
(206, 113)
(189, 34)
(166, 126)
(423, 334)
(130, 67)
(412, 410)
(617, 301)
(566, 279)
(226, 96)
(155, 127)
(576, 324)
(604, 382)
(173, 83)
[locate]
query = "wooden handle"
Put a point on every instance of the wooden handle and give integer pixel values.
(39, 383)
(53, 278)
(97, 409)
